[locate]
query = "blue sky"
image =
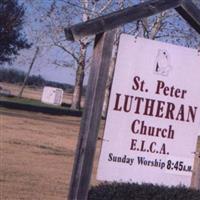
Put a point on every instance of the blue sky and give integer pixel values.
(44, 63)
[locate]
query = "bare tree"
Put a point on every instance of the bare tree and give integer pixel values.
(84, 10)
(37, 33)
(29, 71)
(58, 14)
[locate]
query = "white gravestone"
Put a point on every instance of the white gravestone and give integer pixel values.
(52, 95)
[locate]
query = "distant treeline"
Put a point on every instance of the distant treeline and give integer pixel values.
(11, 75)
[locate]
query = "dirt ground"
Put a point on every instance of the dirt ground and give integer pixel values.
(36, 155)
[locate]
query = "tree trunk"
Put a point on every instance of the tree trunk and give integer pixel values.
(76, 98)
(112, 66)
(110, 74)
(28, 73)
(108, 87)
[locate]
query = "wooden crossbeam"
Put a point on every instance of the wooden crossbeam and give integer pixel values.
(115, 19)
(190, 13)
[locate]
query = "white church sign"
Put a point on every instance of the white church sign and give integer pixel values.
(52, 95)
(154, 114)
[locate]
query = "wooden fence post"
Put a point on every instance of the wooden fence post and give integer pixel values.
(195, 183)
(90, 122)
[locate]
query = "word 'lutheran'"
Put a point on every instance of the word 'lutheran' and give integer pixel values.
(156, 108)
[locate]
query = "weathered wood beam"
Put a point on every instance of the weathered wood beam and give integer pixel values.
(115, 19)
(195, 182)
(190, 13)
(90, 121)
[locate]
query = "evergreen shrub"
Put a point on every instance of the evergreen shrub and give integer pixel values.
(132, 191)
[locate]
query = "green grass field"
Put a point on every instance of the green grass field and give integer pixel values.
(37, 106)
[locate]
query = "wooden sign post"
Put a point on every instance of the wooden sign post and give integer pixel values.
(91, 117)
(196, 170)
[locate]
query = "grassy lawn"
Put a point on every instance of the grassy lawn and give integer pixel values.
(29, 102)
(37, 106)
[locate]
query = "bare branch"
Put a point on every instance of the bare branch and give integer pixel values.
(105, 7)
(68, 51)
(63, 64)
(157, 25)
